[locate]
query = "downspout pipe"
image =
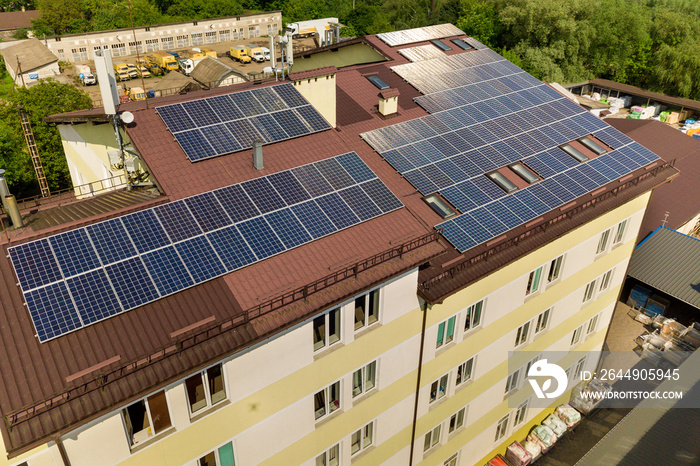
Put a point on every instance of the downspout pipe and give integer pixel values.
(424, 309)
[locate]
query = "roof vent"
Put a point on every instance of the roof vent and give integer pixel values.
(389, 101)
(257, 155)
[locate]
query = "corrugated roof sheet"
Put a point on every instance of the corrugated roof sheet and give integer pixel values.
(670, 262)
(654, 96)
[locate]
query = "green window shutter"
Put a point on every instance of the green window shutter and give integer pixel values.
(451, 327)
(441, 333)
(226, 455)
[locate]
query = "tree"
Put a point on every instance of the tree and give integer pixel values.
(59, 15)
(479, 19)
(49, 97)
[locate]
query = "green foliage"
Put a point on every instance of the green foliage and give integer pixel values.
(16, 5)
(479, 19)
(58, 15)
(49, 97)
(20, 33)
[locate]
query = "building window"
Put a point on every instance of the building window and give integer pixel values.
(225, 35)
(118, 50)
(451, 461)
(531, 362)
(603, 241)
(591, 145)
(464, 371)
(222, 456)
(533, 281)
(205, 389)
(520, 414)
(592, 324)
(554, 269)
(80, 54)
(183, 41)
(589, 292)
(473, 317)
(134, 46)
(605, 280)
(362, 439)
(504, 183)
(524, 172)
(146, 418)
(439, 206)
(522, 334)
(575, 153)
(457, 420)
(210, 37)
(446, 332)
(326, 329)
(378, 82)
(61, 55)
(579, 367)
(576, 336)
(327, 400)
(501, 428)
(542, 321)
(253, 31)
(197, 39)
(620, 232)
(330, 457)
(432, 438)
(512, 381)
(364, 379)
(167, 43)
(271, 29)
(438, 389)
(461, 44)
(152, 45)
(367, 309)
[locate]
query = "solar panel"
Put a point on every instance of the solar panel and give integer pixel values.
(88, 274)
(213, 126)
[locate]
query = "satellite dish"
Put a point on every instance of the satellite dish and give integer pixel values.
(127, 117)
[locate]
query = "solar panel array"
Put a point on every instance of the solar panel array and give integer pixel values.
(82, 276)
(486, 113)
(422, 52)
(228, 123)
(409, 36)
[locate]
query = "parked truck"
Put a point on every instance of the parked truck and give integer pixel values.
(254, 52)
(136, 93)
(133, 73)
(186, 65)
(85, 75)
(311, 27)
(237, 52)
(121, 71)
(266, 53)
(165, 61)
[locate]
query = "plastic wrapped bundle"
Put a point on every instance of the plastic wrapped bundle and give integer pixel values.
(533, 448)
(517, 455)
(544, 436)
(497, 461)
(557, 425)
(568, 414)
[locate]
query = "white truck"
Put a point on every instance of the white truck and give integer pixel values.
(311, 27)
(85, 75)
(266, 53)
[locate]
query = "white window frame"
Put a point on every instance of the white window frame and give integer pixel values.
(457, 420)
(451, 461)
(542, 321)
(442, 382)
(604, 241)
(211, 37)
(531, 362)
(209, 401)
(444, 336)
(363, 438)
(606, 280)
(589, 291)
(197, 38)
(364, 372)
(576, 336)
(555, 269)
(325, 340)
(330, 404)
(522, 334)
(592, 325)
(326, 458)
(534, 281)
(474, 315)
(519, 413)
(367, 309)
(465, 371)
(432, 438)
(580, 364)
(216, 455)
(512, 381)
(620, 232)
(502, 427)
(133, 441)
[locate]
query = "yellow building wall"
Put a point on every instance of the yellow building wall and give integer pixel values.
(320, 92)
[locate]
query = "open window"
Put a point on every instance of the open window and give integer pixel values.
(367, 309)
(146, 418)
(326, 329)
(205, 389)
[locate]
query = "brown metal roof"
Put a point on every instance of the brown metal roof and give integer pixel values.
(11, 20)
(313, 73)
(654, 96)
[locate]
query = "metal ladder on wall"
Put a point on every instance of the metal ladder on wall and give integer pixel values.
(38, 168)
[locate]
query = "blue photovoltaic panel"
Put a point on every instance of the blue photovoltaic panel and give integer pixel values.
(200, 259)
(132, 283)
(505, 215)
(334, 173)
(336, 209)
(74, 252)
(168, 271)
(34, 264)
(313, 218)
(52, 311)
(288, 228)
(523, 212)
(261, 238)
(457, 198)
(177, 220)
(486, 219)
(472, 228)
(93, 296)
(144, 256)
(207, 211)
(456, 235)
(288, 187)
(228, 123)
(111, 241)
(263, 195)
(231, 248)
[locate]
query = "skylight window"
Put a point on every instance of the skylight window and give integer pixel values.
(575, 153)
(503, 182)
(439, 206)
(441, 45)
(461, 44)
(525, 173)
(592, 145)
(377, 81)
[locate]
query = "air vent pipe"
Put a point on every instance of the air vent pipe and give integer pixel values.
(257, 155)
(13, 211)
